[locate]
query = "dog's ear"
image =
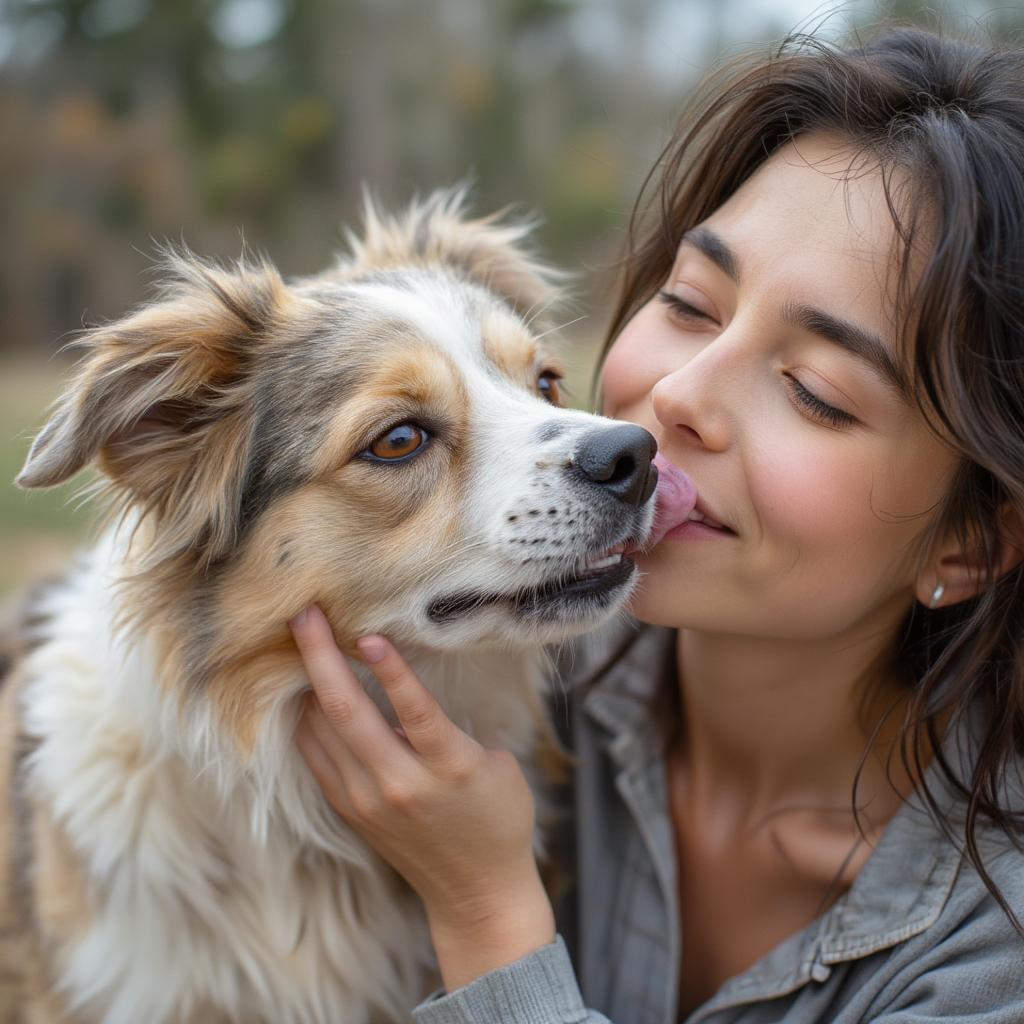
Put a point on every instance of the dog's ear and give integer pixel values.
(156, 400)
(436, 231)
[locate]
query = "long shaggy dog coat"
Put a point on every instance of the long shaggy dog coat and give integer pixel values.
(384, 439)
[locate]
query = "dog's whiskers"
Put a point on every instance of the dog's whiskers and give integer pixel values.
(560, 327)
(537, 309)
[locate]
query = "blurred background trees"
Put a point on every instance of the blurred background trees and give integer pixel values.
(124, 122)
(127, 120)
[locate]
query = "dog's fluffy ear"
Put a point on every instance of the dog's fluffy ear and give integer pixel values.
(156, 399)
(437, 231)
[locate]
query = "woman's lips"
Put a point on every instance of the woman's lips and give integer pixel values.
(675, 499)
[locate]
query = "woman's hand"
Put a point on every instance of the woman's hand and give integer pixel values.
(455, 819)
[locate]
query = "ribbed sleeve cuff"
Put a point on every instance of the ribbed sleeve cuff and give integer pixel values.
(540, 988)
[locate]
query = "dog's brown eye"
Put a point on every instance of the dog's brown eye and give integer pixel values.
(547, 385)
(398, 442)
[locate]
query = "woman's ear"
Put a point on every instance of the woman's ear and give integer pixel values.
(957, 572)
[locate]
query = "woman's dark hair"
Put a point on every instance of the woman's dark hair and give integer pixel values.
(943, 119)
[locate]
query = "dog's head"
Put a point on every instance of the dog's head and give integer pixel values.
(385, 439)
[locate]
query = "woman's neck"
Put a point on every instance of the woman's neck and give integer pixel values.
(772, 724)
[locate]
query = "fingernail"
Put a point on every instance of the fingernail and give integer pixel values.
(299, 619)
(372, 648)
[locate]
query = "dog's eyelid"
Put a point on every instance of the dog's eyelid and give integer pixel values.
(434, 427)
(546, 363)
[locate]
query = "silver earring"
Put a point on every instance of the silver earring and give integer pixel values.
(940, 589)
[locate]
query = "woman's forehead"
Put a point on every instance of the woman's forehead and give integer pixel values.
(813, 223)
(814, 200)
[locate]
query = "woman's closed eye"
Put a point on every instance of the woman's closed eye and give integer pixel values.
(819, 410)
(686, 310)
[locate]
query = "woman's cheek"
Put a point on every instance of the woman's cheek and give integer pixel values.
(618, 383)
(811, 497)
(640, 356)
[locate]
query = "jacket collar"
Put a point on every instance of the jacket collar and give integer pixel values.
(899, 892)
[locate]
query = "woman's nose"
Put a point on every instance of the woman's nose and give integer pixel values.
(693, 403)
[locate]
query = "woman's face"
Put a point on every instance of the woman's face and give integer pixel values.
(768, 370)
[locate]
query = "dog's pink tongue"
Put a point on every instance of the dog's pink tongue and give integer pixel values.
(674, 500)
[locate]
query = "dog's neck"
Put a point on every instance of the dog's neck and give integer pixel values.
(494, 695)
(235, 733)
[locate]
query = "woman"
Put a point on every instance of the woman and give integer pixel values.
(824, 326)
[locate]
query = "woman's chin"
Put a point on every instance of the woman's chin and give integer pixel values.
(645, 606)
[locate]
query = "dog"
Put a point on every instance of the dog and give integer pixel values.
(386, 439)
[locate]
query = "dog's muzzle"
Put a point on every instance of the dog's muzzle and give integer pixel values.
(618, 460)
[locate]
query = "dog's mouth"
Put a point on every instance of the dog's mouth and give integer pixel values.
(589, 587)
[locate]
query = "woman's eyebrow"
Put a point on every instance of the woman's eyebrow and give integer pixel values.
(856, 340)
(713, 246)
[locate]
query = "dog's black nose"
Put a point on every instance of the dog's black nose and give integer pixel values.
(618, 459)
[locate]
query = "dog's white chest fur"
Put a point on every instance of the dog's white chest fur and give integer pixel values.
(197, 913)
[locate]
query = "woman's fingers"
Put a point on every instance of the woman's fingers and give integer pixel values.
(429, 731)
(351, 769)
(356, 721)
(323, 766)
(352, 730)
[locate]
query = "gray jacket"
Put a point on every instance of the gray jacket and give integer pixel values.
(917, 938)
